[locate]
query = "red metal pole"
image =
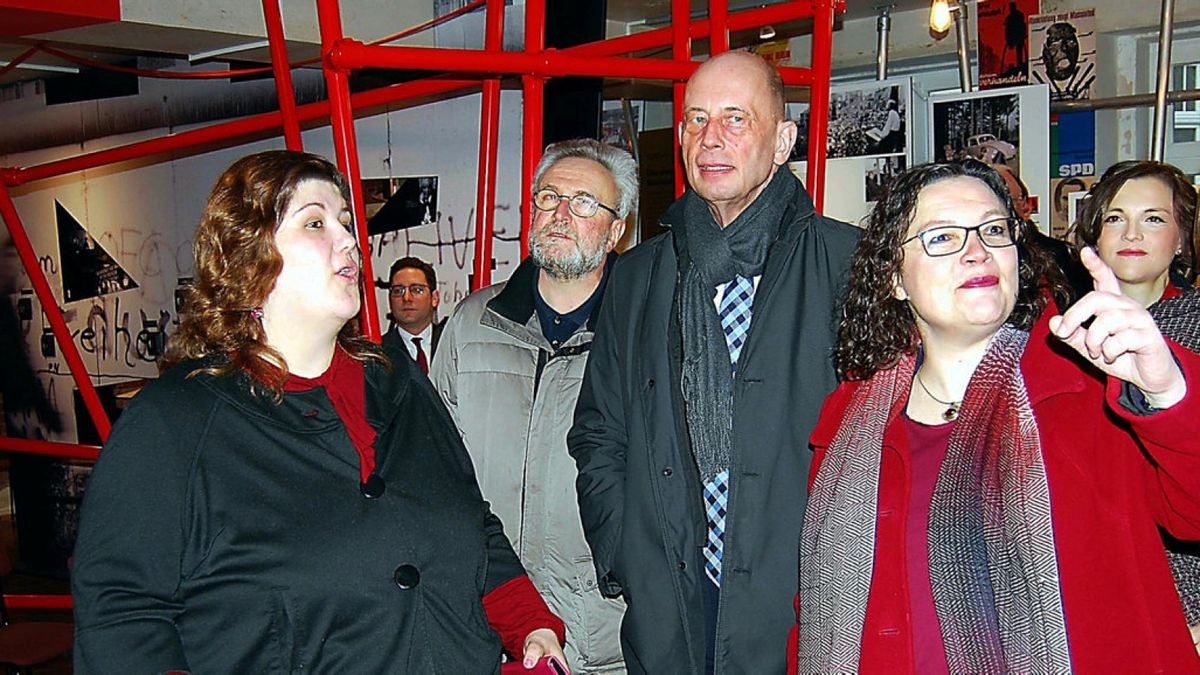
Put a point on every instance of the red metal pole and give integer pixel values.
(661, 37)
(350, 54)
(337, 82)
(681, 50)
(49, 448)
(718, 19)
(62, 333)
(818, 117)
(533, 97)
(244, 128)
(489, 135)
(283, 75)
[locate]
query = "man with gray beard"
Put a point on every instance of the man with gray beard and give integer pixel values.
(509, 366)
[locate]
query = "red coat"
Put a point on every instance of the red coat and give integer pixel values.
(1108, 494)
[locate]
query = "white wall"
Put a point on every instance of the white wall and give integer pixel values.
(144, 215)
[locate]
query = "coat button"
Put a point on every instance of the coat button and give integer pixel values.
(682, 565)
(667, 471)
(374, 486)
(650, 383)
(407, 577)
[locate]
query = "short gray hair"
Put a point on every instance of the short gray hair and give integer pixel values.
(618, 162)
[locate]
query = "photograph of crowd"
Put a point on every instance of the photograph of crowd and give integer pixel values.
(862, 122)
(984, 127)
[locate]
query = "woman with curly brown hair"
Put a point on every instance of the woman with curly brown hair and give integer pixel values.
(989, 481)
(287, 496)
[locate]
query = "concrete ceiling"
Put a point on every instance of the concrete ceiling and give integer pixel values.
(233, 29)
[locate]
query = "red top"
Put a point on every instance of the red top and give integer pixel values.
(514, 609)
(1109, 494)
(927, 446)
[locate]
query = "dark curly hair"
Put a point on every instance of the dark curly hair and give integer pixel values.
(237, 264)
(1090, 220)
(876, 328)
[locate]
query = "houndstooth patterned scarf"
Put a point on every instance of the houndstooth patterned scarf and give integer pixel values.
(993, 567)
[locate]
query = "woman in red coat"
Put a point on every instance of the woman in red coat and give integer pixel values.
(989, 480)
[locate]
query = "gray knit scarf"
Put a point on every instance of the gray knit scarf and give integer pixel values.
(1179, 319)
(992, 563)
(715, 256)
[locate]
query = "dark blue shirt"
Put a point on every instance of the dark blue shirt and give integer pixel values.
(558, 328)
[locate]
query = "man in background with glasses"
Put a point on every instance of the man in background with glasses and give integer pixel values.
(510, 365)
(413, 300)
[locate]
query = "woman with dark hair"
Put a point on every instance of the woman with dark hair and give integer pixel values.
(287, 496)
(989, 481)
(1140, 217)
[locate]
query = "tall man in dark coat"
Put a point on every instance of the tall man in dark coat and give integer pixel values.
(710, 363)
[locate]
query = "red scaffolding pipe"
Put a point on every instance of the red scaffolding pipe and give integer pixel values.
(533, 98)
(818, 120)
(681, 50)
(489, 138)
(53, 313)
(50, 448)
(345, 146)
(718, 36)
(283, 75)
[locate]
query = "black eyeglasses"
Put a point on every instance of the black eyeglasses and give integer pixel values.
(415, 290)
(583, 206)
(950, 239)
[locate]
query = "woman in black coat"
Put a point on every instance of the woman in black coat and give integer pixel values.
(286, 496)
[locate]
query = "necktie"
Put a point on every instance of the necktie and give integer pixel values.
(734, 312)
(422, 362)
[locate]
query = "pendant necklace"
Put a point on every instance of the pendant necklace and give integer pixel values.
(952, 407)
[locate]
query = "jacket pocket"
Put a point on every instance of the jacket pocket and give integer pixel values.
(596, 633)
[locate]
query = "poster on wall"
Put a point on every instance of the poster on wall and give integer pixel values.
(869, 143)
(88, 271)
(1007, 126)
(1063, 53)
(1065, 195)
(1004, 42)
(394, 204)
(1073, 144)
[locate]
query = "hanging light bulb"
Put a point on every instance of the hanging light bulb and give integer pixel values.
(766, 32)
(939, 16)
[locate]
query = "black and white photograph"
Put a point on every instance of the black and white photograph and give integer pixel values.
(987, 128)
(879, 175)
(862, 122)
(400, 203)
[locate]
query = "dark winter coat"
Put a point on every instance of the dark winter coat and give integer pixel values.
(639, 488)
(223, 533)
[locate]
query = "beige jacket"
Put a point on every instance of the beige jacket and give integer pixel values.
(513, 398)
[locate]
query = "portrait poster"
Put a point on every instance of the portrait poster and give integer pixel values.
(1062, 48)
(1065, 193)
(1007, 126)
(870, 141)
(394, 204)
(1004, 42)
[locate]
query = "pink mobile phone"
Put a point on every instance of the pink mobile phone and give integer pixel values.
(547, 665)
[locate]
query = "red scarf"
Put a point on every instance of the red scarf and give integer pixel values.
(345, 385)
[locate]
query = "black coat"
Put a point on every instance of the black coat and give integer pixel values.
(639, 489)
(391, 340)
(223, 533)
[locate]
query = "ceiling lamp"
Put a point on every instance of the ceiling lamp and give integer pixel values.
(939, 16)
(766, 32)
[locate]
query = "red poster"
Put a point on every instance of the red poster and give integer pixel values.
(1004, 42)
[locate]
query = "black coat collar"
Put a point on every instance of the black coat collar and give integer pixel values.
(515, 301)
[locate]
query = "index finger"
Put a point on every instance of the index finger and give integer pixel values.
(1103, 278)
